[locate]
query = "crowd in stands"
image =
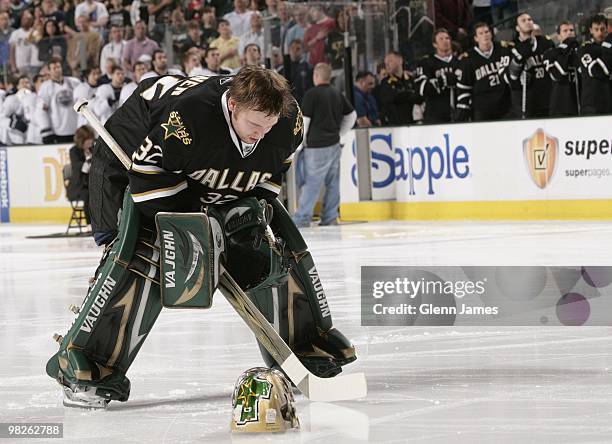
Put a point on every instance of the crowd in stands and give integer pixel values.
(53, 52)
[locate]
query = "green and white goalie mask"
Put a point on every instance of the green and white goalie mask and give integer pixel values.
(263, 402)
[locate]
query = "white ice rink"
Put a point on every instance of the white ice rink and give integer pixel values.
(441, 385)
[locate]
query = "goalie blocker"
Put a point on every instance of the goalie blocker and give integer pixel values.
(126, 297)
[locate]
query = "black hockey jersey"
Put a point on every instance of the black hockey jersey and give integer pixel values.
(185, 152)
(396, 97)
(561, 64)
(595, 65)
(481, 86)
(528, 57)
(436, 78)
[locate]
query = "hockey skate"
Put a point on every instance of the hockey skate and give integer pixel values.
(83, 397)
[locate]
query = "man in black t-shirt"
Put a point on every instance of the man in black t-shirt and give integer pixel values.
(327, 116)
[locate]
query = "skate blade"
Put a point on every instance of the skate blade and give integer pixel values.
(83, 400)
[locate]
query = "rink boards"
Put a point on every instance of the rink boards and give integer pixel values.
(517, 170)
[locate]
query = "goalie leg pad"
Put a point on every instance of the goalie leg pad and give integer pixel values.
(297, 307)
(116, 316)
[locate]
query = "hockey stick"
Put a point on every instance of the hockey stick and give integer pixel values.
(314, 388)
(524, 94)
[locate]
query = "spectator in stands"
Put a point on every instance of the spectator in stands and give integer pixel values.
(254, 35)
(227, 44)
(95, 13)
(212, 57)
(194, 38)
(191, 63)
(482, 11)
(69, 10)
(276, 60)
(105, 71)
(178, 31)
(193, 11)
(315, 35)
(161, 11)
(23, 51)
(396, 93)
(5, 35)
(50, 12)
(106, 100)
(115, 46)
(118, 17)
(138, 46)
(365, 103)
(327, 116)
(86, 90)
(334, 48)
(83, 47)
(56, 94)
(239, 19)
(80, 163)
(300, 76)
(209, 26)
(298, 30)
(13, 121)
(128, 88)
(159, 65)
(454, 15)
(39, 124)
(252, 55)
(52, 43)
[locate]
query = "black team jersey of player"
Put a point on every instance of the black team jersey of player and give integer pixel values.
(437, 77)
(595, 58)
(482, 92)
(179, 133)
(527, 65)
(562, 64)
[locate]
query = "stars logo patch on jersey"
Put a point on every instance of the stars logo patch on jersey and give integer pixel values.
(174, 127)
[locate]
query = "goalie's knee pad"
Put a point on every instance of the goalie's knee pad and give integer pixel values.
(116, 316)
(297, 306)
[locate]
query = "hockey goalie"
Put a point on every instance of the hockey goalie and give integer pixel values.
(207, 159)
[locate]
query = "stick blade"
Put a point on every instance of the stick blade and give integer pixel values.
(338, 388)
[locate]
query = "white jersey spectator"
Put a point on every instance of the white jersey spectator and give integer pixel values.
(139, 69)
(96, 12)
(106, 101)
(254, 35)
(86, 90)
(114, 48)
(16, 113)
(239, 18)
(57, 96)
(23, 50)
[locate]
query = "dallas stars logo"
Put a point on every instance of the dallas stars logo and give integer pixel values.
(174, 127)
(249, 394)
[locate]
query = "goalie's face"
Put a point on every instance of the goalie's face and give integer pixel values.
(250, 125)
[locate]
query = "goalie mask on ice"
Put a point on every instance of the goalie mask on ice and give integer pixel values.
(180, 265)
(263, 402)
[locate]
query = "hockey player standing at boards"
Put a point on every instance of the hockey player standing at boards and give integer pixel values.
(595, 65)
(216, 144)
(527, 71)
(482, 93)
(437, 79)
(562, 66)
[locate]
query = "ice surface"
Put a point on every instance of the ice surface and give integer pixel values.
(441, 385)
